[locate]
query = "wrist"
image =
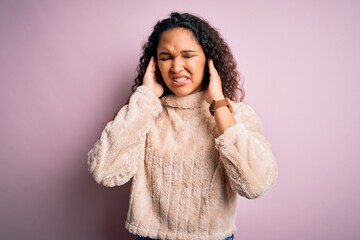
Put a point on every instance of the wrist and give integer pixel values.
(218, 97)
(224, 102)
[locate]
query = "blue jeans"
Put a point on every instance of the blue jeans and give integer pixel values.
(146, 238)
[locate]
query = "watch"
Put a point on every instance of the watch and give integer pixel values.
(220, 103)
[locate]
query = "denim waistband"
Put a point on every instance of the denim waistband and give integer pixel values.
(146, 238)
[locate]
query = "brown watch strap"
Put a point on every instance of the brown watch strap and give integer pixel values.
(220, 103)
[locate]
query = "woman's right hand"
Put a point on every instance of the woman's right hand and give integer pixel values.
(150, 79)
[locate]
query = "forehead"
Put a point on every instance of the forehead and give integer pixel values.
(178, 39)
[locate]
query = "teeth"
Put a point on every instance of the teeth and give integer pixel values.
(180, 79)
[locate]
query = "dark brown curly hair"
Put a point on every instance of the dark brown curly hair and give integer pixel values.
(213, 45)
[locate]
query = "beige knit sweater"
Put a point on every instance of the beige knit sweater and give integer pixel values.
(185, 176)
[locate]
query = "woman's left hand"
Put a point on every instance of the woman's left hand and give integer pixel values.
(214, 90)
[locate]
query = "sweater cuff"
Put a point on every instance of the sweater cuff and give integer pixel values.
(229, 136)
(146, 100)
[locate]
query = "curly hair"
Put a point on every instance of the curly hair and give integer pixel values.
(213, 45)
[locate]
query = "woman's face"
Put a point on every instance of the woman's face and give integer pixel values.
(181, 61)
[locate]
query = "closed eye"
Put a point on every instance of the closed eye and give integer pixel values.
(189, 56)
(164, 58)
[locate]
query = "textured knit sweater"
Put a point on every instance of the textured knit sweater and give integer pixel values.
(186, 176)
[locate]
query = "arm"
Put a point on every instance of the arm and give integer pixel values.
(115, 156)
(223, 116)
(246, 154)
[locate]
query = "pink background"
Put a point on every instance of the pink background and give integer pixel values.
(67, 66)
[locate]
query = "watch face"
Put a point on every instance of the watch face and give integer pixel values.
(221, 103)
(212, 105)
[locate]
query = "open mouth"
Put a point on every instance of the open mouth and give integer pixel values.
(180, 79)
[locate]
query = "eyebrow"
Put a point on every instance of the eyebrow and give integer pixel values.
(183, 51)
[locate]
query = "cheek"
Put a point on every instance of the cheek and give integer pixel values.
(198, 67)
(161, 67)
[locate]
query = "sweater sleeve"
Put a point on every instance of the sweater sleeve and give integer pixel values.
(246, 154)
(114, 158)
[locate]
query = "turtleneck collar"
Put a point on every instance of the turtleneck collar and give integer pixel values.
(193, 100)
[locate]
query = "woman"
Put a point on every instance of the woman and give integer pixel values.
(189, 148)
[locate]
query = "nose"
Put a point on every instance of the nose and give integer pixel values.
(177, 66)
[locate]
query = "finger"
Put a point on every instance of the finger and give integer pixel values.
(151, 64)
(211, 66)
(150, 67)
(212, 69)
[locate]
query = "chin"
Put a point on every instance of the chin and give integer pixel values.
(182, 92)
(179, 93)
